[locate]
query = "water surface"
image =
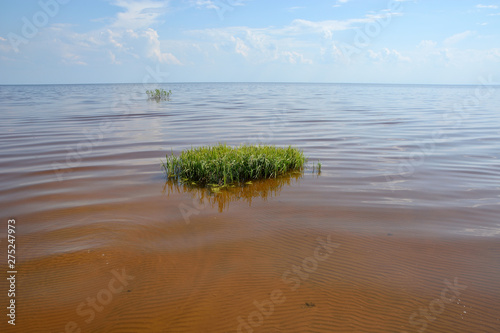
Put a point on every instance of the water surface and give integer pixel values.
(409, 195)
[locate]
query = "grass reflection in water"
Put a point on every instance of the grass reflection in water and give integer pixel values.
(221, 196)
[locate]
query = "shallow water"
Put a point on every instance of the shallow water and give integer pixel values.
(408, 197)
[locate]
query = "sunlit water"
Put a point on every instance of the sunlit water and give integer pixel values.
(409, 193)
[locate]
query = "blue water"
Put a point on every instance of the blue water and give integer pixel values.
(380, 145)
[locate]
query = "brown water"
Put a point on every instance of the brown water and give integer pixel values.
(399, 233)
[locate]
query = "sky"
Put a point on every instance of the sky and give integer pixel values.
(339, 41)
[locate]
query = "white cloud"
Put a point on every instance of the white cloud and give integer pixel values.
(295, 57)
(458, 37)
(131, 32)
(487, 6)
(299, 42)
(154, 49)
(208, 4)
(73, 59)
(216, 4)
(112, 57)
(426, 44)
(325, 28)
(255, 45)
(292, 9)
(328, 27)
(340, 3)
(315, 48)
(127, 37)
(428, 56)
(241, 47)
(388, 56)
(140, 44)
(138, 14)
(113, 37)
(4, 46)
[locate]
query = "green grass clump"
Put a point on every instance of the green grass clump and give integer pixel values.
(223, 164)
(159, 94)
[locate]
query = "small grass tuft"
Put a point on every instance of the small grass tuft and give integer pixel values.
(159, 94)
(223, 165)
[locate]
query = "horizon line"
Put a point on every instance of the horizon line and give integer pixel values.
(250, 82)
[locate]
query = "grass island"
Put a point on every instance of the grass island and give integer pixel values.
(221, 164)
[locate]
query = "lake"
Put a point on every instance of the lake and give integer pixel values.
(399, 232)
